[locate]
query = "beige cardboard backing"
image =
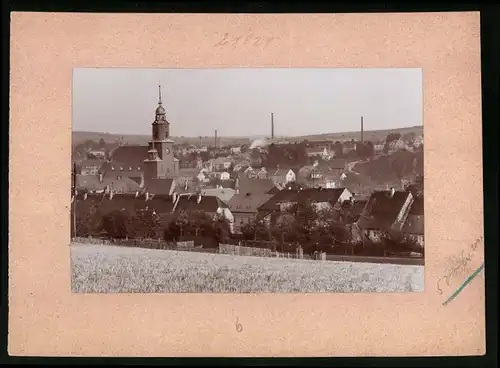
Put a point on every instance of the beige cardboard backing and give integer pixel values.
(46, 319)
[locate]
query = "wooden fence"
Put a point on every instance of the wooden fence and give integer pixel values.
(244, 251)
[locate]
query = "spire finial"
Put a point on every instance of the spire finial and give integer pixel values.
(159, 93)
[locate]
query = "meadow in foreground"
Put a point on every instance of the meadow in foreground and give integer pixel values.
(104, 268)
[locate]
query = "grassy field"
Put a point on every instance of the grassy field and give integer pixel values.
(104, 268)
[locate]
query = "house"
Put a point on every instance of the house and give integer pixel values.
(398, 145)
(230, 184)
(224, 194)
(385, 212)
(97, 183)
(199, 163)
(219, 163)
(283, 176)
(106, 203)
(258, 174)
(130, 155)
(244, 171)
(250, 195)
(98, 154)
(202, 177)
(117, 170)
(211, 205)
(187, 175)
(315, 151)
(184, 187)
(322, 198)
(414, 225)
(160, 186)
(378, 149)
(224, 176)
(329, 171)
(348, 146)
(244, 208)
(248, 185)
(235, 149)
(418, 141)
(241, 164)
(90, 166)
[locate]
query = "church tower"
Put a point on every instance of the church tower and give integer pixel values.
(161, 162)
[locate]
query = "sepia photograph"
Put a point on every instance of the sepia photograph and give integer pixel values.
(247, 180)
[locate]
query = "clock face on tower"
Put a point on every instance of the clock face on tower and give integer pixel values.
(167, 151)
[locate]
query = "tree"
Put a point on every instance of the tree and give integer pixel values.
(145, 223)
(285, 228)
(397, 242)
(409, 137)
(255, 229)
(182, 221)
(306, 216)
(117, 224)
(391, 137)
(221, 227)
(338, 149)
(87, 222)
(200, 221)
(417, 187)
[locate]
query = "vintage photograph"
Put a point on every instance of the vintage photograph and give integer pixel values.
(247, 180)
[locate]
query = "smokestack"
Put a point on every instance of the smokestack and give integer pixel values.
(362, 130)
(272, 127)
(215, 139)
(201, 142)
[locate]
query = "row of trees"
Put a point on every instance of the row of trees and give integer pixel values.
(304, 224)
(121, 224)
(329, 230)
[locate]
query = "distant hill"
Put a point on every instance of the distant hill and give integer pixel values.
(139, 139)
(368, 135)
(80, 137)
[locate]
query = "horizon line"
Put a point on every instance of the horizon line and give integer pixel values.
(245, 136)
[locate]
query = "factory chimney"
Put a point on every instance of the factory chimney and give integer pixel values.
(272, 127)
(201, 142)
(215, 139)
(362, 130)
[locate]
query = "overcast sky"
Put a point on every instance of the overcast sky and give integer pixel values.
(238, 102)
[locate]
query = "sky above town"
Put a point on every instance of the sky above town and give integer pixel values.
(239, 101)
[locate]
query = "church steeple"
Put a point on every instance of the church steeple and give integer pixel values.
(160, 162)
(160, 111)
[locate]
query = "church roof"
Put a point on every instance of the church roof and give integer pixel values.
(130, 155)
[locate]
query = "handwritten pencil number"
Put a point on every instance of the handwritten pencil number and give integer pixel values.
(239, 326)
(250, 39)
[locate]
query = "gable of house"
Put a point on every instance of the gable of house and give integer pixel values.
(382, 210)
(247, 202)
(415, 221)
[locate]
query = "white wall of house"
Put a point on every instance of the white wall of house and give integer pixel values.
(346, 194)
(225, 176)
(226, 213)
(290, 176)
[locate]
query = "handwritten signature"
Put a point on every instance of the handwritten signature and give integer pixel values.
(249, 39)
(462, 262)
